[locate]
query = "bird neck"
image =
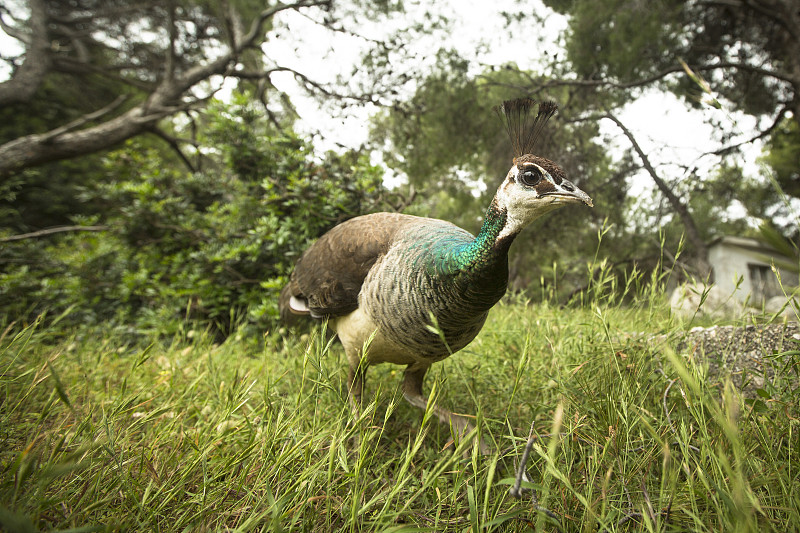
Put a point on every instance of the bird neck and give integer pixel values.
(476, 270)
(492, 243)
(484, 260)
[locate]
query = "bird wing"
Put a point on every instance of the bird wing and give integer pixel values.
(328, 277)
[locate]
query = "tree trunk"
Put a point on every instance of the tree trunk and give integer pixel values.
(64, 143)
(26, 80)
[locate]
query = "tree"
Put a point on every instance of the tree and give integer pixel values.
(739, 54)
(783, 154)
(747, 49)
(155, 52)
(692, 231)
(122, 69)
(128, 192)
(163, 60)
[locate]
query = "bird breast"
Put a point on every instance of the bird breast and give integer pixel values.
(417, 282)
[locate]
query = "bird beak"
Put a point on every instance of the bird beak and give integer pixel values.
(567, 192)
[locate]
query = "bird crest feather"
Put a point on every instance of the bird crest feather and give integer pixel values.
(522, 126)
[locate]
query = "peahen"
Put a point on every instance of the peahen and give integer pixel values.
(416, 290)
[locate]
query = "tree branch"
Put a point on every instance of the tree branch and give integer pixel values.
(51, 231)
(165, 100)
(234, 25)
(69, 65)
(304, 79)
(782, 76)
(255, 27)
(169, 63)
(75, 124)
(75, 38)
(173, 143)
(105, 12)
(10, 30)
(760, 135)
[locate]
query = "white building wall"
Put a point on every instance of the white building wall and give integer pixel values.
(731, 263)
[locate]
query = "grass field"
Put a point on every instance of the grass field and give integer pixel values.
(257, 434)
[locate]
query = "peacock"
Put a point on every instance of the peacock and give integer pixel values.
(411, 290)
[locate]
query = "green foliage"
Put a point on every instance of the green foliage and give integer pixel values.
(213, 246)
(782, 153)
(446, 126)
(620, 39)
(631, 40)
(732, 55)
(47, 196)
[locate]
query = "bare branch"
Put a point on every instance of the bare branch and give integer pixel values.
(403, 200)
(517, 491)
(760, 135)
(106, 12)
(258, 23)
(342, 30)
(81, 50)
(304, 80)
(169, 63)
(586, 82)
(156, 113)
(234, 25)
(751, 68)
(72, 66)
(75, 124)
(51, 231)
(10, 30)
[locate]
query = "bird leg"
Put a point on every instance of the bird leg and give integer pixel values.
(412, 392)
(355, 381)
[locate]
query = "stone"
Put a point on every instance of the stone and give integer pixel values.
(686, 301)
(782, 305)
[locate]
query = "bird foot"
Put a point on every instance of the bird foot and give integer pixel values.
(462, 427)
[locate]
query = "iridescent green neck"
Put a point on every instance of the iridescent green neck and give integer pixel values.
(487, 249)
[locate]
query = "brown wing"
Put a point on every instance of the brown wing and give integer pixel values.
(329, 275)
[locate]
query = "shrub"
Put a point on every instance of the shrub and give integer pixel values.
(213, 246)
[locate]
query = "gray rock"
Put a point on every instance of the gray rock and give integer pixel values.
(686, 301)
(780, 304)
(746, 354)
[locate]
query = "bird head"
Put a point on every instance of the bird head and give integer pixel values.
(534, 185)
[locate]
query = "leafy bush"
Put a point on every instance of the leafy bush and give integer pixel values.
(213, 246)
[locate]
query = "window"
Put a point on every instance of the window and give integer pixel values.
(763, 282)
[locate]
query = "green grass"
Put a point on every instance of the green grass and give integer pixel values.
(254, 434)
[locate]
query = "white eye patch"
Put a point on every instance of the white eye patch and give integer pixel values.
(532, 175)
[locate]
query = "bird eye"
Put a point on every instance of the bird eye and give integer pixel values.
(531, 176)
